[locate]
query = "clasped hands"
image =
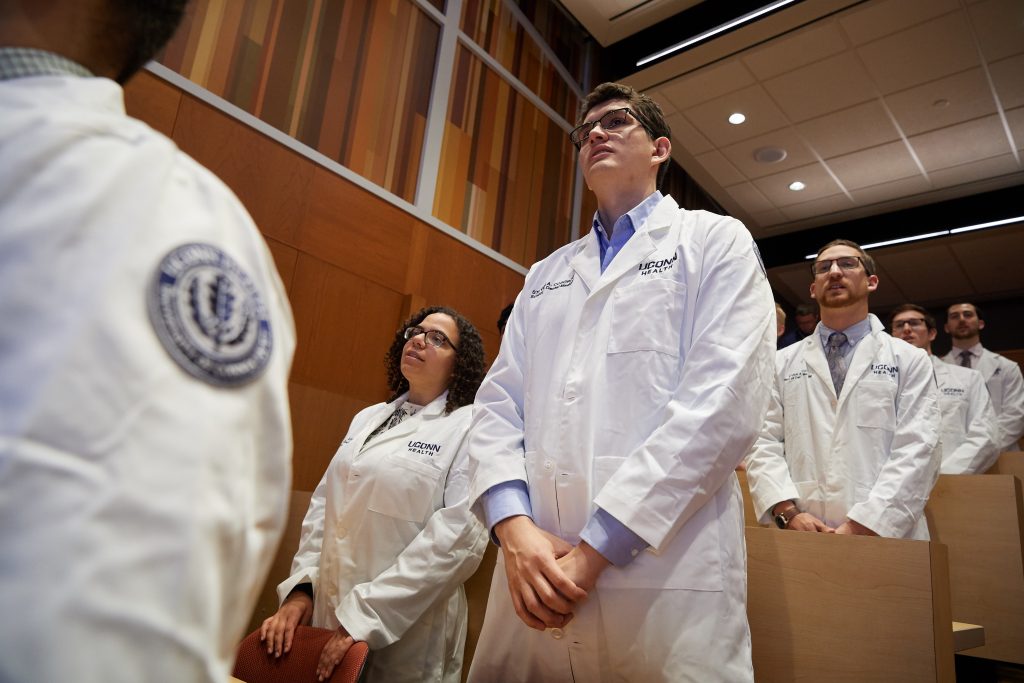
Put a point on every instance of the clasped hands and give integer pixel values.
(547, 577)
(278, 632)
(805, 521)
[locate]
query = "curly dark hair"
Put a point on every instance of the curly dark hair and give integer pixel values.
(469, 359)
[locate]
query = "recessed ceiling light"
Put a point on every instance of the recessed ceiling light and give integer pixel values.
(737, 118)
(796, 186)
(769, 155)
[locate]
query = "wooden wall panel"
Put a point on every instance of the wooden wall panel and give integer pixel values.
(320, 420)
(273, 182)
(284, 258)
(154, 101)
(344, 325)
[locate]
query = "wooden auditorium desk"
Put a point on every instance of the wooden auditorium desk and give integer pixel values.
(848, 608)
(978, 517)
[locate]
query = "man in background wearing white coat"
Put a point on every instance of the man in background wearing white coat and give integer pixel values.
(964, 323)
(632, 377)
(850, 443)
(968, 422)
(145, 343)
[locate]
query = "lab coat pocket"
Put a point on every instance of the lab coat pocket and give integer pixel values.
(405, 489)
(647, 316)
(540, 475)
(876, 405)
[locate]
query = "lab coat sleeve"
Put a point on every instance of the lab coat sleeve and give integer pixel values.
(979, 449)
(718, 408)
(1011, 416)
(495, 441)
(306, 563)
(767, 469)
(897, 498)
(434, 565)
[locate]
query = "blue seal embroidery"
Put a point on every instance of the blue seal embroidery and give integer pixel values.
(209, 316)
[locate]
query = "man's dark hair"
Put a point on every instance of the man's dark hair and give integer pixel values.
(977, 310)
(869, 263)
(806, 309)
(469, 359)
(504, 316)
(929, 319)
(140, 29)
(647, 111)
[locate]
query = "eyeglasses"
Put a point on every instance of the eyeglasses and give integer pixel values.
(611, 120)
(435, 338)
(844, 263)
(911, 322)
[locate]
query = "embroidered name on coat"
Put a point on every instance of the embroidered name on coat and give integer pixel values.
(552, 285)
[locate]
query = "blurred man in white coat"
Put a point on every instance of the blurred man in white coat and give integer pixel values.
(145, 441)
(969, 428)
(850, 443)
(964, 323)
(632, 377)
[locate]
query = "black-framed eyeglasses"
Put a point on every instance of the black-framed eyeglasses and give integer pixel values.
(610, 120)
(912, 322)
(844, 262)
(435, 338)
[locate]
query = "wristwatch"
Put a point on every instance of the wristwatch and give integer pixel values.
(783, 519)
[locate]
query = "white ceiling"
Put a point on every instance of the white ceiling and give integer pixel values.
(880, 105)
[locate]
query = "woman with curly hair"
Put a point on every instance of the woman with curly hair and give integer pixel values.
(388, 539)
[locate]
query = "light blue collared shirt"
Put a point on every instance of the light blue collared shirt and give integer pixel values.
(854, 334)
(607, 535)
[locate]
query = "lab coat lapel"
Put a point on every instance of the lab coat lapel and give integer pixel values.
(863, 355)
(814, 356)
(587, 261)
(410, 424)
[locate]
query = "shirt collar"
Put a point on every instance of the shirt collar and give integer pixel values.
(854, 333)
(974, 350)
(24, 62)
(628, 223)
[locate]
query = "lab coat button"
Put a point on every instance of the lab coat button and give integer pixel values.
(634, 552)
(548, 465)
(557, 633)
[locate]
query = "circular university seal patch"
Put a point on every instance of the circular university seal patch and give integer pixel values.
(209, 316)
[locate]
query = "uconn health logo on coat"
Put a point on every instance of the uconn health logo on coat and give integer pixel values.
(660, 266)
(424, 448)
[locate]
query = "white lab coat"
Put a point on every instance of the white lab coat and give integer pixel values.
(870, 455)
(1006, 389)
(140, 507)
(637, 390)
(969, 428)
(389, 540)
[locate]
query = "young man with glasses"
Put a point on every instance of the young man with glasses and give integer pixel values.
(850, 443)
(633, 376)
(964, 323)
(969, 428)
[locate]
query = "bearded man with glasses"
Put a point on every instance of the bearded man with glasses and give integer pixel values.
(969, 427)
(851, 441)
(632, 378)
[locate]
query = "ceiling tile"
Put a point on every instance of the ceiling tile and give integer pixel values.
(806, 46)
(999, 27)
(768, 218)
(1015, 117)
(960, 144)
(975, 170)
(720, 168)
(707, 84)
(1006, 75)
(685, 136)
(711, 118)
(896, 189)
(880, 164)
(819, 184)
(820, 88)
(863, 125)
(663, 101)
(993, 259)
(967, 96)
(818, 207)
(795, 278)
(741, 154)
(924, 271)
(923, 53)
(750, 198)
(888, 294)
(873, 20)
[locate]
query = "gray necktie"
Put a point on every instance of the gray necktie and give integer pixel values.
(965, 359)
(836, 361)
(401, 413)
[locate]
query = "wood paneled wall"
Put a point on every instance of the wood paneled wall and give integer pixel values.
(354, 265)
